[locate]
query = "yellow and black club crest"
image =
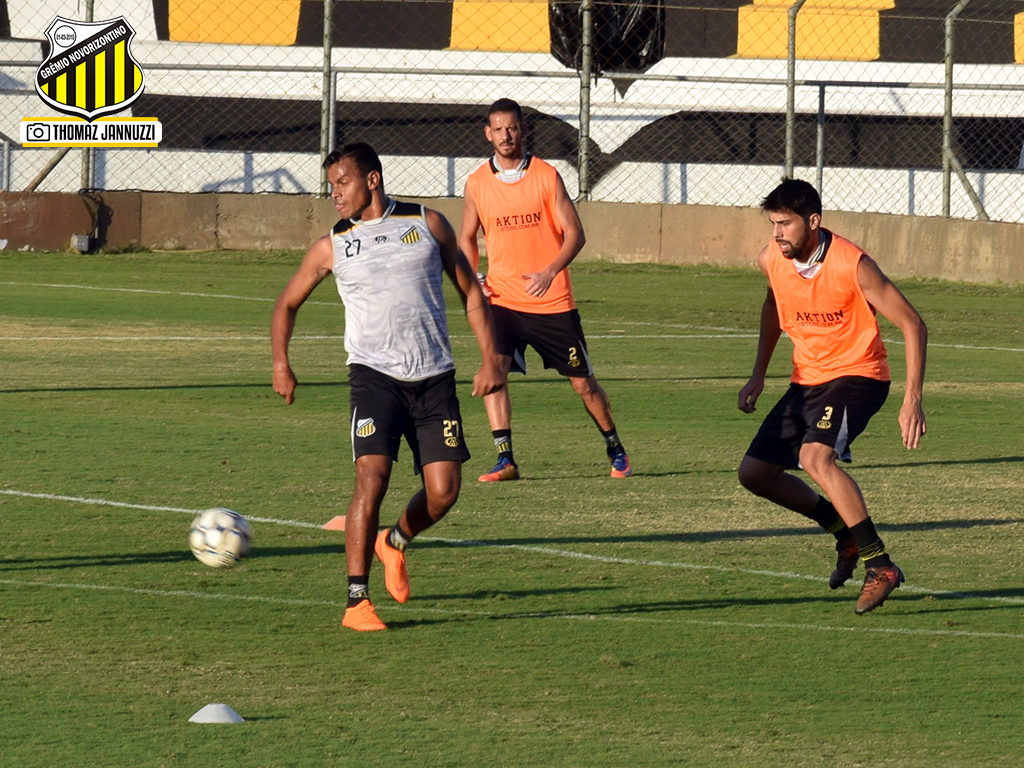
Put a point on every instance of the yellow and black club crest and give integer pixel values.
(410, 236)
(89, 71)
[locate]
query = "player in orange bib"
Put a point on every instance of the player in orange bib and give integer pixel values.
(532, 233)
(823, 291)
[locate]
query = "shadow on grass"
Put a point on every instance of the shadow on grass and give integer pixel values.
(88, 561)
(413, 623)
(461, 382)
(149, 558)
(732, 470)
(951, 463)
(933, 601)
(167, 387)
(925, 604)
(697, 537)
(500, 594)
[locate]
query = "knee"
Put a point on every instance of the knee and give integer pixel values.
(370, 487)
(586, 387)
(443, 492)
(817, 460)
(756, 476)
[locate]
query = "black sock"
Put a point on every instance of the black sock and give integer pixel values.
(872, 550)
(399, 538)
(358, 590)
(825, 515)
(503, 444)
(612, 443)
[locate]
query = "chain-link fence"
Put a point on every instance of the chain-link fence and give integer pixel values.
(897, 106)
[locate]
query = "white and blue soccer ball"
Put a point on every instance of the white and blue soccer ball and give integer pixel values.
(220, 537)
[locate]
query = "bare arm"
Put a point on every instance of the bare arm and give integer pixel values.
(316, 265)
(489, 378)
(887, 299)
(470, 226)
(467, 237)
(537, 283)
(768, 338)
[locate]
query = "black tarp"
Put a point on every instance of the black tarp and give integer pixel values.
(628, 36)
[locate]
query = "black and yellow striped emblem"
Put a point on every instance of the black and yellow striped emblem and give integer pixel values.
(89, 71)
(410, 236)
(365, 427)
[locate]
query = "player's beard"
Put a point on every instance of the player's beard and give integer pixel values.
(798, 249)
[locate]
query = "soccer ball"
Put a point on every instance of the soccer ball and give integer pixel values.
(219, 537)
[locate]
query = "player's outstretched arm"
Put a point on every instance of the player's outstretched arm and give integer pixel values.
(573, 240)
(767, 339)
(887, 299)
(491, 377)
(316, 265)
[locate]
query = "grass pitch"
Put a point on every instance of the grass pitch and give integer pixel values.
(568, 619)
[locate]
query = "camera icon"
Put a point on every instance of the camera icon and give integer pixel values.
(37, 132)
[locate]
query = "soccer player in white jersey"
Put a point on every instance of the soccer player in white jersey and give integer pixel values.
(387, 258)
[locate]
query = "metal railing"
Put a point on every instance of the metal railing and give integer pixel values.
(677, 129)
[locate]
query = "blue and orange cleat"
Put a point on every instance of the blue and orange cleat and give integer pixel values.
(620, 465)
(503, 470)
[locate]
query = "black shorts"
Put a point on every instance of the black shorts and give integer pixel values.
(426, 412)
(833, 413)
(557, 338)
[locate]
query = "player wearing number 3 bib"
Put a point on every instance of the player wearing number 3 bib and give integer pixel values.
(823, 291)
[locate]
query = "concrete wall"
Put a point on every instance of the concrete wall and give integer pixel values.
(954, 249)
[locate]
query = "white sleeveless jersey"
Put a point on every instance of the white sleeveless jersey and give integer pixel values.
(389, 276)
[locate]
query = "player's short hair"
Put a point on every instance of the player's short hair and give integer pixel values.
(506, 105)
(363, 155)
(793, 195)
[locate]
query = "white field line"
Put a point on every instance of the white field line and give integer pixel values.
(548, 551)
(265, 339)
(516, 615)
(738, 333)
(144, 507)
(320, 337)
(958, 346)
(159, 293)
(334, 337)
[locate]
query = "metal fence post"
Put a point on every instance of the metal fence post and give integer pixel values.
(791, 88)
(950, 163)
(332, 137)
(87, 152)
(7, 162)
(586, 70)
(947, 110)
(326, 101)
(819, 160)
